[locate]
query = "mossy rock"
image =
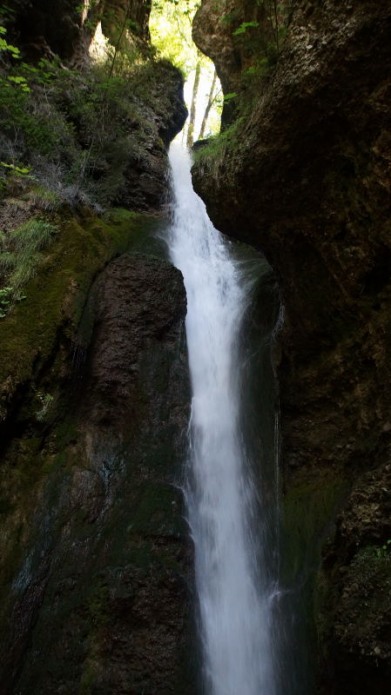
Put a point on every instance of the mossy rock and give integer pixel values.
(37, 339)
(56, 296)
(310, 505)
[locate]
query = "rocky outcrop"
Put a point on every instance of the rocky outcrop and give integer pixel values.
(91, 132)
(214, 38)
(356, 579)
(130, 16)
(91, 138)
(95, 594)
(305, 177)
(145, 184)
(136, 300)
(234, 34)
(42, 28)
(65, 28)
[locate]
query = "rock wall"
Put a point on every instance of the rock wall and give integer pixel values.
(95, 595)
(95, 563)
(304, 175)
(233, 33)
(95, 131)
(65, 28)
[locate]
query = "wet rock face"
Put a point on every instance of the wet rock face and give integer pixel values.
(306, 179)
(100, 602)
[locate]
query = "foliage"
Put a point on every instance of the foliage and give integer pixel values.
(170, 26)
(229, 96)
(258, 32)
(278, 14)
(260, 39)
(73, 131)
(385, 549)
(244, 26)
(5, 300)
(211, 154)
(20, 171)
(171, 33)
(45, 401)
(28, 122)
(5, 47)
(19, 258)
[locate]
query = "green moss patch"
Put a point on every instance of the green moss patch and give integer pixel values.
(310, 506)
(55, 296)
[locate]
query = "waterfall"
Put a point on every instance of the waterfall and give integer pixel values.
(234, 590)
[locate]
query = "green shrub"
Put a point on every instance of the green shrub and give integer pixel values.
(74, 132)
(20, 256)
(5, 300)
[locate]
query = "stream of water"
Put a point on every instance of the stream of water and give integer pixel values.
(235, 594)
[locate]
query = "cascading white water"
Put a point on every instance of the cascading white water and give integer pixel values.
(234, 601)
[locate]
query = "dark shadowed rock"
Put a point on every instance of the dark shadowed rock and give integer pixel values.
(138, 301)
(305, 178)
(66, 27)
(101, 601)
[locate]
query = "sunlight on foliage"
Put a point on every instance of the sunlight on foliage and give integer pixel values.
(170, 26)
(72, 132)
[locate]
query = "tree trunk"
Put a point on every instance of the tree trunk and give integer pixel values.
(208, 106)
(190, 129)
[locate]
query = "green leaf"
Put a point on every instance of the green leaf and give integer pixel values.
(5, 46)
(17, 79)
(18, 170)
(230, 96)
(244, 26)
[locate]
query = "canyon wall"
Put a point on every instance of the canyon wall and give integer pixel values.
(96, 566)
(95, 569)
(303, 174)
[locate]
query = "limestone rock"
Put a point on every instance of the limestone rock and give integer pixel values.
(305, 177)
(232, 33)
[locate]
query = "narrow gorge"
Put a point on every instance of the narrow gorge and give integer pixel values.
(195, 424)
